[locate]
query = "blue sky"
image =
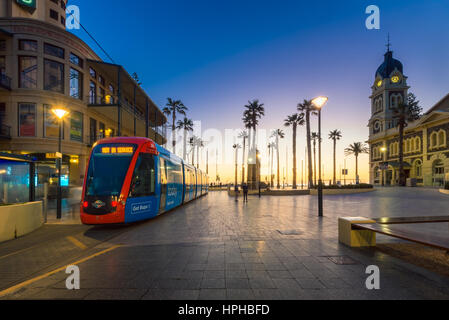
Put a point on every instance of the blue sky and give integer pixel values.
(217, 55)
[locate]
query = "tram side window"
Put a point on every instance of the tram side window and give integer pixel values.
(143, 181)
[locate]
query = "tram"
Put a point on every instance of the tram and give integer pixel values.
(130, 179)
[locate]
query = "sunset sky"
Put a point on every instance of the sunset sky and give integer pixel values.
(215, 56)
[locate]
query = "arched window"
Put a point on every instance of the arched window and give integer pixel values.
(391, 149)
(412, 145)
(442, 138)
(418, 168)
(417, 144)
(433, 140)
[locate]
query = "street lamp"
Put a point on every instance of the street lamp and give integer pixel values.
(60, 114)
(383, 150)
(319, 102)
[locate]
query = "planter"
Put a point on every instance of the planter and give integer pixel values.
(20, 219)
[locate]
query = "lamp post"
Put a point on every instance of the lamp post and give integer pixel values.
(319, 102)
(383, 150)
(60, 114)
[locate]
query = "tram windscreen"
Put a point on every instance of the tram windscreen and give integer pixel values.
(107, 169)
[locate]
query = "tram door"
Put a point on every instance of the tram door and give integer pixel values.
(163, 181)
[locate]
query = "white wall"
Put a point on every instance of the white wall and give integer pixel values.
(20, 219)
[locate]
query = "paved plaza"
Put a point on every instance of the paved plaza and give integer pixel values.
(216, 248)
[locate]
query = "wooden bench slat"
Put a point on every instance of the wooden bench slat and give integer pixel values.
(414, 236)
(398, 220)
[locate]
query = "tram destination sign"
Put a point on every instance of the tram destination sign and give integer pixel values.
(29, 5)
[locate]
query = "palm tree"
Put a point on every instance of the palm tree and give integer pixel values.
(243, 135)
(271, 146)
(404, 113)
(307, 108)
(187, 125)
(294, 120)
(172, 108)
(254, 111)
(335, 135)
(236, 148)
(278, 134)
(192, 142)
(356, 149)
(314, 138)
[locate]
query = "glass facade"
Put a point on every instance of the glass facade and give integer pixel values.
(76, 84)
(14, 181)
(27, 119)
(28, 72)
(53, 76)
(76, 126)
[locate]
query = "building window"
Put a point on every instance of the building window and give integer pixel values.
(92, 93)
(417, 144)
(2, 45)
(102, 94)
(418, 168)
(62, 20)
(51, 124)
(54, 14)
(92, 73)
(28, 45)
(28, 72)
(101, 80)
(76, 126)
(144, 177)
(76, 60)
(63, 5)
(53, 76)
(101, 128)
(76, 84)
(54, 51)
(27, 119)
(441, 138)
(2, 65)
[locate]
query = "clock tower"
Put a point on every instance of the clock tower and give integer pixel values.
(389, 89)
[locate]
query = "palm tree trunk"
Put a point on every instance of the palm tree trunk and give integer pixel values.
(173, 132)
(184, 147)
(193, 155)
(294, 156)
(236, 165)
(277, 153)
(335, 162)
(309, 149)
(243, 159)
(356, 168)
(271, 171)
(402, 181)
(314, 163)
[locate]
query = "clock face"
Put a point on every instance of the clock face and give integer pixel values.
(395, 79)
(379, 83)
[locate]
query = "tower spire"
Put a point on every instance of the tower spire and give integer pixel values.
(388, 45)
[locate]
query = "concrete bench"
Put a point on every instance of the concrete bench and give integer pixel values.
(360, 232)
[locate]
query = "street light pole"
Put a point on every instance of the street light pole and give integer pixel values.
(60, 114)
(59, 165)
(320, 183)
(319, 102)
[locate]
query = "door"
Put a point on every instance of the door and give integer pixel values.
(163, 181)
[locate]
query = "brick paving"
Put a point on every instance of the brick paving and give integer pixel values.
(268, 248)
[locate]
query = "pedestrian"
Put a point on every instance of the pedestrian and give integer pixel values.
(236, 191)
(245, 192)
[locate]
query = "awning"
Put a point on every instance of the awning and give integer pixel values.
(395, 164)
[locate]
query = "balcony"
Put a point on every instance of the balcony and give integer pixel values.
(5, 81)
(5, 131)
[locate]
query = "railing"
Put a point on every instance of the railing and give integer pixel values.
(5, 131)
(5, 81)
(97, 100)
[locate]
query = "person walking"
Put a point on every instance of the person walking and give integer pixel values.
(236, 191)
(245, 192)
